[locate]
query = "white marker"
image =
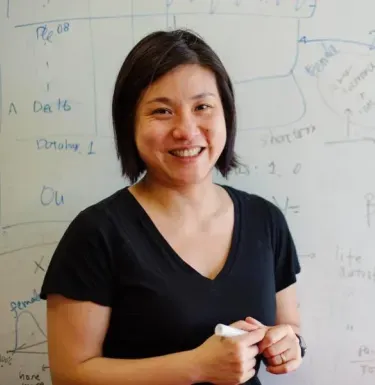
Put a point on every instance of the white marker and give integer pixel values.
(228, 331)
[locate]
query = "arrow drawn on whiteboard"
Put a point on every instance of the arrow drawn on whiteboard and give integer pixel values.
(308, 255)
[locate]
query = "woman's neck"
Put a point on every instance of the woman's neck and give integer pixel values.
(193, 200)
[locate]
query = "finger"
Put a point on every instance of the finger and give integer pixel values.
(288, 367)
(249, 370)
(252, 363)
(252, 350)
(278, 347)
(254, 337)
(273, 335)
(248, 339)
(250, 374)
(253, 321)
(243, 325)
(281, 358)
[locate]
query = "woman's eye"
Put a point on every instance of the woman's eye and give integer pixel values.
(203, 107)
(161, 111)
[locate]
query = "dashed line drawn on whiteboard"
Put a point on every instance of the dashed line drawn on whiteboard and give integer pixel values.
(30, 338)
(92, 48)
(370, 208)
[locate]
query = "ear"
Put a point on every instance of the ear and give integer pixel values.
(253, 321)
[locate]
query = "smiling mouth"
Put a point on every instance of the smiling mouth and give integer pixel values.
(186, 153)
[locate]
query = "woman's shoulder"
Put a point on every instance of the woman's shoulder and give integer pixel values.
(101, 215)
(250, 199)
(256, 206)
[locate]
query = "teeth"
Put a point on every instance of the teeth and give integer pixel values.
(190, 152)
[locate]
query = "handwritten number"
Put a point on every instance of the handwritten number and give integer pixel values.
(63, 28)
(91, 145)
(273, 167)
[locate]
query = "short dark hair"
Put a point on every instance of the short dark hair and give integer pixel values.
(152, 57)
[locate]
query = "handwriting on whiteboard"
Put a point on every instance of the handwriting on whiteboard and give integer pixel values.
(31, 378)
(47, 34)
(365, 359)
(287, 206)
(49, 196)
(288, 138)
(271, 168)
(19, 305)
(352, 266)
(65, 145)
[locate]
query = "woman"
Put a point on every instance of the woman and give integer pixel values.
(139, 280)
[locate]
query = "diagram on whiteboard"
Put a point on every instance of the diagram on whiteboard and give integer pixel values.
(30, 338)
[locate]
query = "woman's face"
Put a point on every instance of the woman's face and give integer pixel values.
(180, 126)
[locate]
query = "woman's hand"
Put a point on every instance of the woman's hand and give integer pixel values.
(280, 347)
(230, 360)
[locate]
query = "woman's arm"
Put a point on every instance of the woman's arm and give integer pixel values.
(76, 332)
(287, 308)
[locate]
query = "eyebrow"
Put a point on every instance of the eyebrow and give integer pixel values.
(165, 100)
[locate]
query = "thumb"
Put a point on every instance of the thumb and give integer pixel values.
(253, 321)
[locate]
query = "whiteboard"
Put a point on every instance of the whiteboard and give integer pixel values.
(304, 76)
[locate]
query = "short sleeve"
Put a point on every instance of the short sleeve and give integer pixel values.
(81, 267)
(287, 265)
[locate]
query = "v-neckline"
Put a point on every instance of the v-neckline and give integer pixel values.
(164, 244)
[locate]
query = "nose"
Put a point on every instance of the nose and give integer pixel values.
(185, 126)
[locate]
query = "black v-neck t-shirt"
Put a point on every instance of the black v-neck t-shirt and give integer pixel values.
(113, 254)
